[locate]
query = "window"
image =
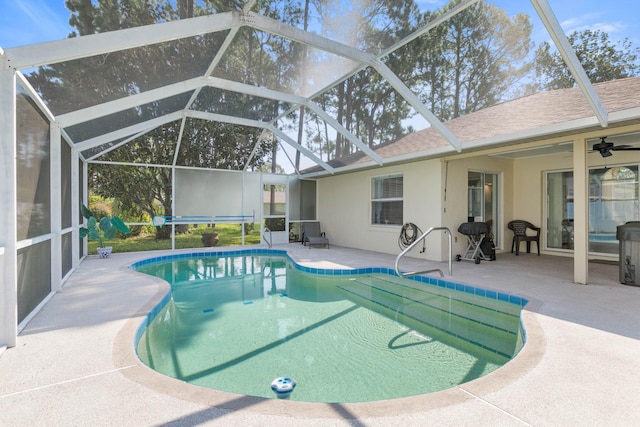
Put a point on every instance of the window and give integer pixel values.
(386, 200)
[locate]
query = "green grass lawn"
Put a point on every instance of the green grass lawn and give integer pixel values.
(228, 234)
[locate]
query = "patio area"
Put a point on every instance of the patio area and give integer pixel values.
(75, 364)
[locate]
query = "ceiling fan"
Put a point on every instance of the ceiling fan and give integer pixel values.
(605, 148)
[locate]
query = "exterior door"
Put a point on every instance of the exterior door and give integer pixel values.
(483, 200)
(274, 213)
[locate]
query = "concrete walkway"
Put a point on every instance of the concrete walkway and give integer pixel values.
(75, 364)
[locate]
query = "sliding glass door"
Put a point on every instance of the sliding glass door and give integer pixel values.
(613, 201)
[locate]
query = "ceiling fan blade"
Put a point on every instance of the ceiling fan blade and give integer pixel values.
(625, 147)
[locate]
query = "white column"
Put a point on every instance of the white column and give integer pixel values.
(580, 212)
(8, 213)
(55, 158)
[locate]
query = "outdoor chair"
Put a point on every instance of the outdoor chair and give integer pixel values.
(519, 228)
(312, 235)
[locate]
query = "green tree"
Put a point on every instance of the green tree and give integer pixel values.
(482, 56)
(602, 59)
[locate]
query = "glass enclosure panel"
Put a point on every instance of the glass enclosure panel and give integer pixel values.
(32, 170)
(34, 277)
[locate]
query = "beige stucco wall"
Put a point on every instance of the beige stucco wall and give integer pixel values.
(344, 200)
(457, 201)
(344, 203)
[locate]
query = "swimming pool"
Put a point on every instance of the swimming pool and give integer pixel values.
(235, 321)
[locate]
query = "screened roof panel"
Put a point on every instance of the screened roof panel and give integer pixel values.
(123, 119)
(377, 70)
(214, 100)
(363, 24)
(262, 59)
(103, 148)
(101, 78)
(220, 145)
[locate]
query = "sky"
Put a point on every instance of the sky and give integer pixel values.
(24, 22)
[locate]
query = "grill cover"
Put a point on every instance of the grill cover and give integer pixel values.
(473, 228)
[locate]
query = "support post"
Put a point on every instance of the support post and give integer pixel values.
(55, 177)
(580, 212)
(8, 213)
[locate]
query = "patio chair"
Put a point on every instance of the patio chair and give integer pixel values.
(312, 235)
(519, 228)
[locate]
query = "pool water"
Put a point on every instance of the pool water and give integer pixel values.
(236, 323)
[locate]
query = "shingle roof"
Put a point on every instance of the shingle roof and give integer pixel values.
(522, 114)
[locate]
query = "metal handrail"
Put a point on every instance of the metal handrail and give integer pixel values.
(416, 242)
(270, 241)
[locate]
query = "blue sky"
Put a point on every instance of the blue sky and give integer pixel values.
(25, 22)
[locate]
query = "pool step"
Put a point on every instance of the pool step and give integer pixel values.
(485, 327)
(496, 313)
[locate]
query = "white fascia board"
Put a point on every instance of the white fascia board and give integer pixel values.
(128, 102)
(128, 131)
(95, 44)
(286, 138)
(344, 132)
(415, 102)
(566, 50)
(271, 26)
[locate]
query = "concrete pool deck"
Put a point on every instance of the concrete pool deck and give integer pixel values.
(74, 363)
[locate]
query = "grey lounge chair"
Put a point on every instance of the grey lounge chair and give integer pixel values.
(312, 235)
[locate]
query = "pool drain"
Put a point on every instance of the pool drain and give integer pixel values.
(283, 387)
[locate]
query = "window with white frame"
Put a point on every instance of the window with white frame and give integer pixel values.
(387, 200)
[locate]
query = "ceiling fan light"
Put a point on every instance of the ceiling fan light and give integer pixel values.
(605, 153)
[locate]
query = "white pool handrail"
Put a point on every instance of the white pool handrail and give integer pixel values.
(416, 242)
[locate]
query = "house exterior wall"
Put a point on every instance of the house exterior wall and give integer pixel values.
(344, 201)
(344, 204)
(344, 207)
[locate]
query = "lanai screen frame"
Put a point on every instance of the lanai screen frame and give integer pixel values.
(14, 60)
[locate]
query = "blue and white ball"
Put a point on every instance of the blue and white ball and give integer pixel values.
(283, 387)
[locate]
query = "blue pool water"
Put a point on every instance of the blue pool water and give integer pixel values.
(237, 321)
